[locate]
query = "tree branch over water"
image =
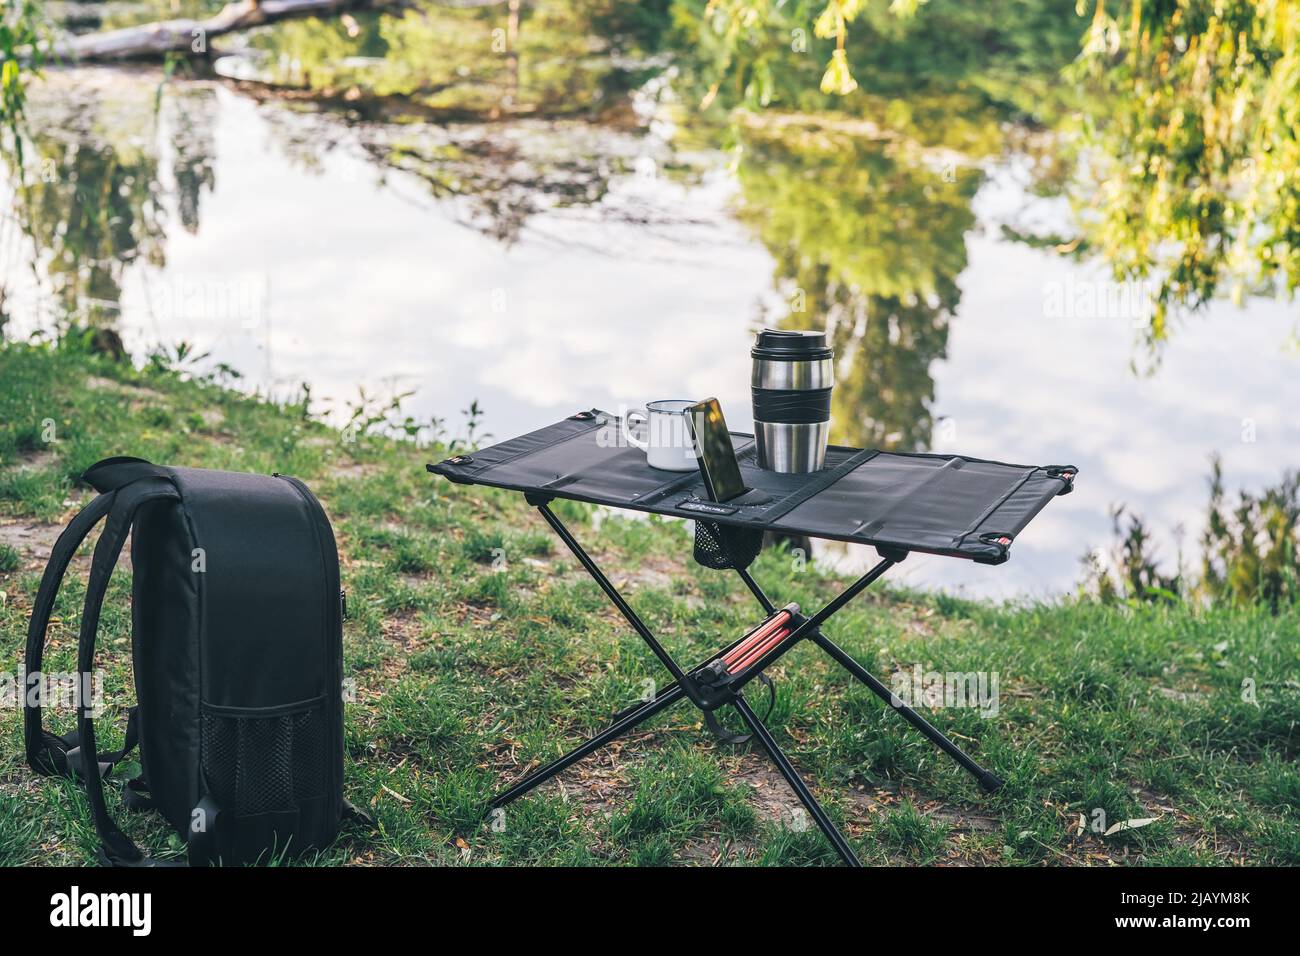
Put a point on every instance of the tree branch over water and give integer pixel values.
(192, 36)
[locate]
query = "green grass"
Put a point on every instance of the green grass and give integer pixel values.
(479, 649)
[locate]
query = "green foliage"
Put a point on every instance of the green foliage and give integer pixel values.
(20, 24)
(1137, 573)
(1184, 113)
(1249, 554)
(1192, 148)
(762, 53)
(738, 34)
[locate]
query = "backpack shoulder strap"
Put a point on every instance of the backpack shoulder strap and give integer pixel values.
(117, 847)
(46, 753)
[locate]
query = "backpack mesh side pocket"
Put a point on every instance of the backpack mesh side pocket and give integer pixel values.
(264, 764)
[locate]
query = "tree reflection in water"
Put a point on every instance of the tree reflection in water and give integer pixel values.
(868, 233)
(96, 195)
(863, 202)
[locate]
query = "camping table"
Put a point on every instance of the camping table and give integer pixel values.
(898, 503)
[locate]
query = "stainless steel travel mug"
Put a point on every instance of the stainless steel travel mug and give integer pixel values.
(791, 384)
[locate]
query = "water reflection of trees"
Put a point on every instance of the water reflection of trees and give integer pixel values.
(850, 195)
(94, 201)
(1184, 114)
(191, 119)
(864, 215)
(865, 201)
(496, 186)
(540, 58)
(494, 178)
(109, 173)
(868, 233)
(107, 176)
(1193, 179)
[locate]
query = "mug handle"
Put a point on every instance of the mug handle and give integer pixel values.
(627, 431)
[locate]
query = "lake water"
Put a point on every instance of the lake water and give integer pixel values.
(544, 267)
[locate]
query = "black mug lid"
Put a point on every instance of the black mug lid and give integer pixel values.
(791, 346)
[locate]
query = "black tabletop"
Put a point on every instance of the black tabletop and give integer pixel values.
(939, 504)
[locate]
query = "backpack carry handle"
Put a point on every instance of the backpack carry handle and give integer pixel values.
(111, 474)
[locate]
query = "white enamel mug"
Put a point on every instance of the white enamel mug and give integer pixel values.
(667, 443)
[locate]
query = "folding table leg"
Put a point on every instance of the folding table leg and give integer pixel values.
(610, 591)
(796, 783)
(989, 781)
(613, 731)
(757, 591)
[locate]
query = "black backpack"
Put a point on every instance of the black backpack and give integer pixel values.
(237, 649)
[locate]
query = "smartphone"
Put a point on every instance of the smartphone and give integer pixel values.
(713, 450)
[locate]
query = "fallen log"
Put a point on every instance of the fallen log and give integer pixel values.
(192, 36)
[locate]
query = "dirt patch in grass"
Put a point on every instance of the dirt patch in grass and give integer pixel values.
(600, 788)
(33, 461)
(402, 629)
(600, 783)
(98, 383)
(770, 796)
(32, 540)
(347, 469)
(963, 820)
(650, 573)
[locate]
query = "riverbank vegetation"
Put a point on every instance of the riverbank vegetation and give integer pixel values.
(1128, 732)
